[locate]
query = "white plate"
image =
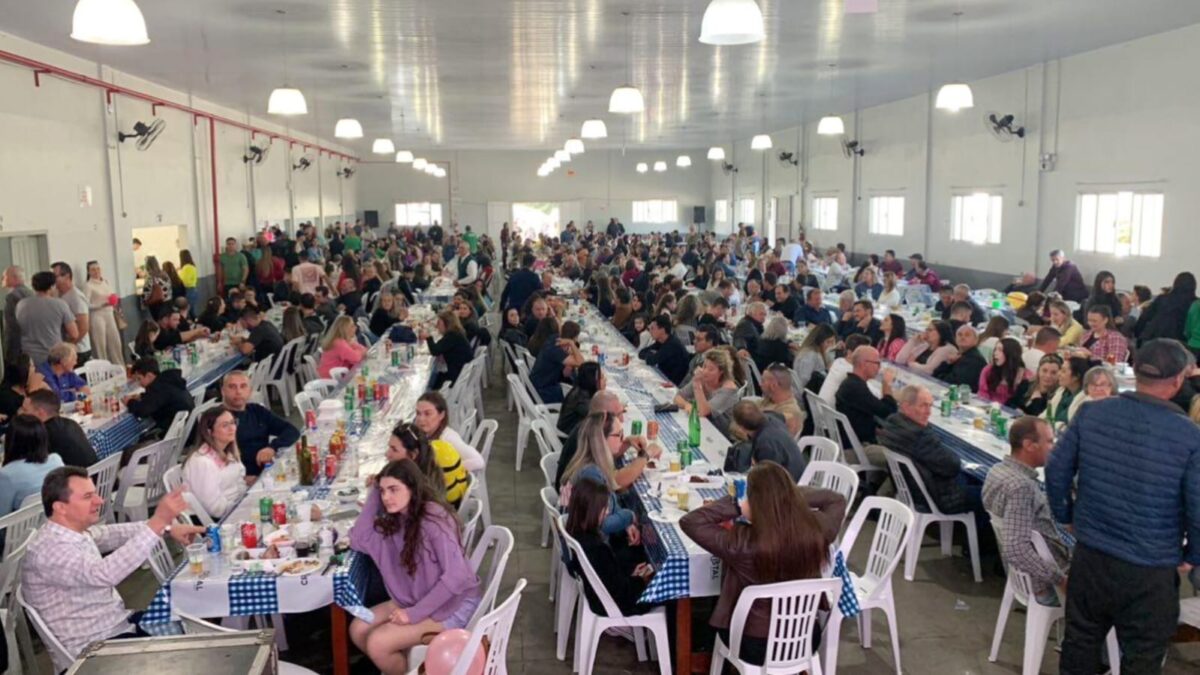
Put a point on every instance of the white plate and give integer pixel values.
(699, 468)
(667, 514)
(312, 566)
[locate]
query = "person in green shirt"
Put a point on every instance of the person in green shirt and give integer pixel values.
(234, 266)
(472, 240)
(353, 240)
(1191, 329)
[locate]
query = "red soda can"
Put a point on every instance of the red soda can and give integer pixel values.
(249, 535)
(279, 513)
(310, 419)
(377, 392)
(331, 466)
(595, 350)
(362, 391)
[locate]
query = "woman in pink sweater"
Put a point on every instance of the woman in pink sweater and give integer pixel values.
(999, 380)
(341, 348)
(895, 336)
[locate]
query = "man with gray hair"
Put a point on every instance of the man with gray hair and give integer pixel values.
(605, 401)
(769, 440)
(14, 282)
(966, 366)
(748, 330)
(907, 432)
(1126, 474)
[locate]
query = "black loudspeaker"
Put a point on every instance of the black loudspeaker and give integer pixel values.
(698, 215)
(371, 218)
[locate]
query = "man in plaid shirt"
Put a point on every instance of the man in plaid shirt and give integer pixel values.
(65, 578)
(1011, 493)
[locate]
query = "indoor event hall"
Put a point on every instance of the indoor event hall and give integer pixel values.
(475, 337)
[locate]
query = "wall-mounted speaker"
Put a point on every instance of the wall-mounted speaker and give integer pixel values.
(698, 215)
(371, 218)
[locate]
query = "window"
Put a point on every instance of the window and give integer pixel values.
(825, 213)
(721, 211)
(656, 211)
(1120, 223)
(418, 213)
(975, 218)
(886, 216)
(746, 210)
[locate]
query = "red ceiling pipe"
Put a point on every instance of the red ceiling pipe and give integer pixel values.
(212, 158)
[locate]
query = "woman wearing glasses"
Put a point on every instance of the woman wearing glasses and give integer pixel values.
(214, 472)
(601, 439)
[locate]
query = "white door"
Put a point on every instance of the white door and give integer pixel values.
(498, 213)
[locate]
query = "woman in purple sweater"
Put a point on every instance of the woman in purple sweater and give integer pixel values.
(414, 540)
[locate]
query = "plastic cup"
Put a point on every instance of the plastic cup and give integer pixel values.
(195, 556)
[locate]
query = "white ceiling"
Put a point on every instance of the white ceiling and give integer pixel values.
(524, 74)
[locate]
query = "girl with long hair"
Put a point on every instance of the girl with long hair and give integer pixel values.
(214, 472)
(213, 317)
(453, 348)
(928, 350)
(143, 343)
(773, 535)
(589, 379)
(438, 461)
(999, 380)
(415, 542)
(813, 356)
(996, 328)
(622, 568)
(1035, 393)
(600, 439)
(340, 348)
(27, 460)
(432, 416)
(545, 329)
(895, 336)
(293, 324)
(1070, 383)
(20, 378)
(178, 290)
(190, 276)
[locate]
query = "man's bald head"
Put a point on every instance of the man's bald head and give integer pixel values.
(605, 402)
(865, 361)
(966, 337)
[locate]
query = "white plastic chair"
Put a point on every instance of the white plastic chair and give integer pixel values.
(499, 540)
(162, 564)
(308, 365)
(469, 512)
(99, 371)
(485, 435)
(322, 387)
(59, 656)
(1039, 617)
(794, 606)
(104, 476)
(820, 448)
(173, 478)
(836, 426)
(305, 402)
(259, 373)
(135, 497)
(19, 641)
(18, 525)
(527, 412)
(194, 417)
(278, 377)
(832, 476)
(549, 464)
(546, 437)
(899, 466)
(193, 625)
(753, 376)
(466, 425)
(496, 626)
(564, 589)
(873, 587)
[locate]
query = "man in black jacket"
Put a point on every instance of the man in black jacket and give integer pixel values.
(166, 394)
(769, 441)
(908, 433)
(857, 402)
(260, 432)
(861, 322)
(786, 303)
(965, 366)
(522, 284)
(667, 352)
(748, 330)
(66, 437)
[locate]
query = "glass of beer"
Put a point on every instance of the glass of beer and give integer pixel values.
(195, 556)
(676, 466)
(681, 494)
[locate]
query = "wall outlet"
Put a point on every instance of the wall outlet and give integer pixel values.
(1048, 161)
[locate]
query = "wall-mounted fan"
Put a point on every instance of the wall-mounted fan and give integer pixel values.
(1003, 127)
(346, 172)
(302, 164)
(788, 158)
(145, 133)
(257, 153)
(728, 168)
(852, 148)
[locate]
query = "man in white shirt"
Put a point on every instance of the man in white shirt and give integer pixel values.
(308, 275)
(792, 252)
(841, 368)
(65, 578)
(678, 269)
(1045, 342)
(64, 283)
(464, 265)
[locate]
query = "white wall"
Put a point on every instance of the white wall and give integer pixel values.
(604, 181)
(1118, 117)
(60, 138)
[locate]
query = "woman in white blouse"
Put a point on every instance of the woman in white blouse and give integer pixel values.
(214, 472)
(432, 418)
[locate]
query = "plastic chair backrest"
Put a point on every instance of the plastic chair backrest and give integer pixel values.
(818, 408)
(821, 449)
(523, 371)
(61, 658)
(310, 367)
(155, 456)
(1023, 587)
(194, 625)
(285, 360)
(260, 373)
(485, 435)
(526, 407)
(903, 470)
(322, 387)
(832, 476)
(794, 606)
(892, 530)
(469, 512)
(18, 525)
(194, 417)
(753, 372)
(594, 582)
(545, 436)
(173, 477)
(161, 562)
(499, 540)
(549, 464)
(466, 425)
(104, 476)
(9, 575)
(305, 403)
(496, 626)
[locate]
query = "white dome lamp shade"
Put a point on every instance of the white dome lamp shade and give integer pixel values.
(732, 22)
(642, 167)
(683, 161)
(716, 153)
(383, 146)
(117, 23)
(542, 172)
(404, 157)
(553, 163)
(594, 129)
(954, 97)
(660, 166)
(562, 155)
(287, 101)
(761, 142)
(574, 146)
(626, 100)
(431, 169)
(831, 125)
(348, 128)
(419, 164)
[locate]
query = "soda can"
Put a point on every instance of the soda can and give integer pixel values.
(265, 504)
(213, 535)
(310, 419)
(652, 429)
(1002, 426)
(249, 535)
(635, 428)
(595, 350)
(366, 371)
(331, 466)
(395, 359)
(279, 513)
(739, 488)
(947, 406)
(366, 414)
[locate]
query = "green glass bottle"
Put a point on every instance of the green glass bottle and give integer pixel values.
(694, 427)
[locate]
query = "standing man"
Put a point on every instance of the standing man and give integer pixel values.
(1065, 276)
(44, 319)
(308, 275)
(14, 282)
(234, 266)
(64, 283)
(521, 285)
(260, 432)
(1126, 474)
(505, 238)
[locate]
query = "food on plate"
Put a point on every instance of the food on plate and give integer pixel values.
(271, 553)
(299, 567)
(243, 555)
(698, 479)
(651, 464)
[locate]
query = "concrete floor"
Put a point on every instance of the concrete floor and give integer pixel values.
(946, 620)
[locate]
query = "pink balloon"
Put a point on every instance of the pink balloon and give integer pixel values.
(446, 648)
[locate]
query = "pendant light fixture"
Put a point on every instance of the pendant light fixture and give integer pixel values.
(383, 146)
(430, 169)
(594, 129)
(574, 146)
(117, 23)
(660, 166)
(347, 128)
(419, 164)
(831, 125)
(716, 153)
(562, 155)
(287, 100)
(626, 99)
(642, 167)
(732, 22)
(683, 161)
(404, 157)
(761, 142)
(553, 163)
(955, 96)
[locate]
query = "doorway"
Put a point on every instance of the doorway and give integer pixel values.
(533, 219)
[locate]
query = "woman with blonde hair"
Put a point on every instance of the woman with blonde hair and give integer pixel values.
(600, 439)
(102, 324)
(890, 295)
(214, 472)
(340, 347)
(713, 389)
